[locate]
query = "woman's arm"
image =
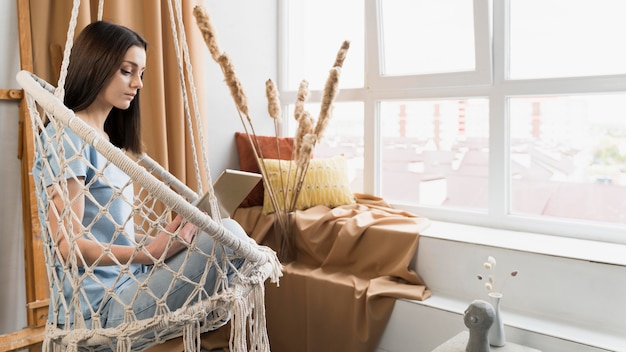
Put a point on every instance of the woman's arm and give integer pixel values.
(90, 251)
(141, 237)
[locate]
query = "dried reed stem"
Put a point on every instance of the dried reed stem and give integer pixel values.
(237, 92)
(308, 144)
(302, 166)
(330, 91)
(274, 110)
(305, 126)
(303, 96)
(307, 135)
(208, 32)
(236, 89)
(341, 54)
(305, 140)
(273, 103)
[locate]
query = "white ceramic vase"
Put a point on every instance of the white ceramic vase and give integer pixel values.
(496, 332)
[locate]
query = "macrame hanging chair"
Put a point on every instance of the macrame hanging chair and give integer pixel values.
(239, 265)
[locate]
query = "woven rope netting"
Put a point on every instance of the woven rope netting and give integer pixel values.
(220, 276)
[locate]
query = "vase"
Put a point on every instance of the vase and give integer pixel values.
(284, 227)
(496, 332)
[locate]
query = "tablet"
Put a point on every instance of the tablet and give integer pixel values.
(231, 188)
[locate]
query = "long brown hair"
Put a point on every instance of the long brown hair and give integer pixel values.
(96, 56)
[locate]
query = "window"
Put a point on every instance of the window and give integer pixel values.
(559, 38)
(506, 114)
(567, 156)
(435, 152)
(315, 31)
(425, 37)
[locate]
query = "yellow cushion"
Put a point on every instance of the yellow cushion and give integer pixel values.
(326, 183)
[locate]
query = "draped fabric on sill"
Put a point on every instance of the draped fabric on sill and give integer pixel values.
(352, 264)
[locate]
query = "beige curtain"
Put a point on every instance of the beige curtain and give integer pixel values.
(164, 135)
(163, 121)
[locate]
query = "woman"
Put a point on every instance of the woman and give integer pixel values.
(102, 87)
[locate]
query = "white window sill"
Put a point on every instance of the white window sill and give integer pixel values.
(593, 251)
(448, 251)
(593, 339)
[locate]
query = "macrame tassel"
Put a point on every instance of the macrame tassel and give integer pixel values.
(72, 346)
(48, 344)
(277, 267)
(123, 345)
(238, 325)
(259, 341)
(191, 336)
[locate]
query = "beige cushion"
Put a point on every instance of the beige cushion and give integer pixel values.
(326, 183)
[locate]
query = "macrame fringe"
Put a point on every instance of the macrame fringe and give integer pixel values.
(238, 325)
(191, 336)
(72, 346)
(249, 316)
(259, 341)
(123, 345)
(277, 266)
(47, 345)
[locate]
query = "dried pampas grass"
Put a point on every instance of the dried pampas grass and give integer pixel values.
(341, 55)
(208, 32)
(303, 96)
(273, 103)
(330, 92)
(236, 89)
(308, 133)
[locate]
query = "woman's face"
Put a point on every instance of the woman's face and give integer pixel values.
(123, 86)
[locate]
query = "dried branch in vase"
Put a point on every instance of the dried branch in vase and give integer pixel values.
(490, 282)
(308, 133)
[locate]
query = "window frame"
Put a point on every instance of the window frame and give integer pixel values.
(488, 80)
(376, 81)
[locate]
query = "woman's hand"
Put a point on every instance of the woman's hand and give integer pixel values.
(92, 251)
(187, 233)
(158, 246)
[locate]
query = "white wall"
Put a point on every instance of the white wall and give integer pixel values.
(247, 31)
(12, 296)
